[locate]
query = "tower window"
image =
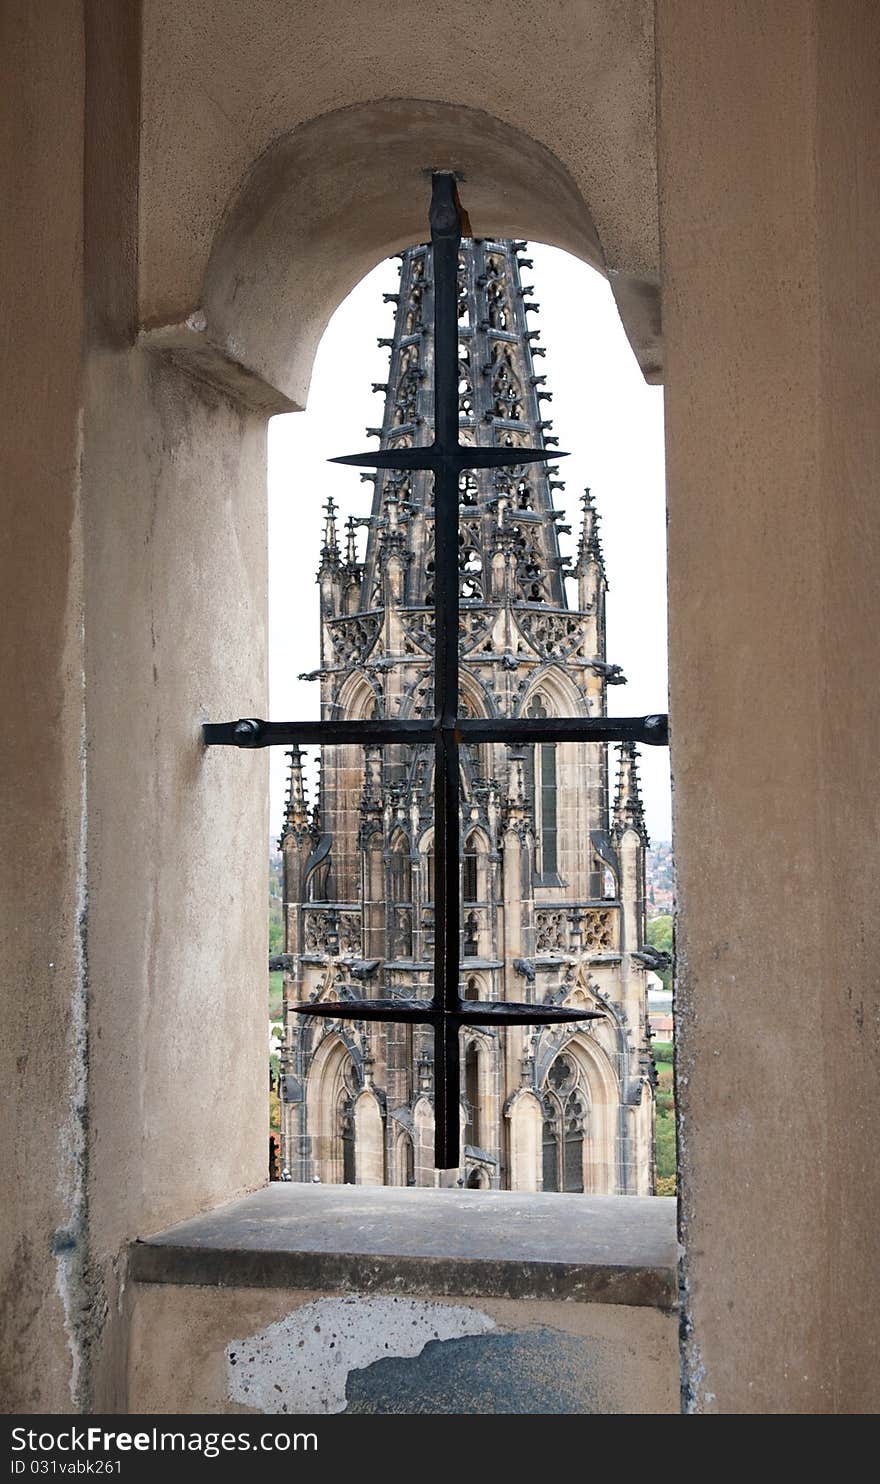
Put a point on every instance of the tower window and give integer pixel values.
(435, 451)
(565, 1107)
(541, 786)
(469, 873)
(473, 1130)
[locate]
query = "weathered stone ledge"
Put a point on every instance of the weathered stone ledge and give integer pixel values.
(501, 1244)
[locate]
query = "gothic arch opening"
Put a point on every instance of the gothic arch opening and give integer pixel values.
(530, 888)
(580, 1099)
(335, 196)
(474, 1125)
(331, 1089)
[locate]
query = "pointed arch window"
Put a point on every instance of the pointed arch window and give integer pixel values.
(565, 1128)
(453, 451)
(400, 871)
(473, 1132)
(470, 873)
(541, 783)
(346, 1135)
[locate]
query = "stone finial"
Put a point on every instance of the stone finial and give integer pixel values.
(628, 809)
(330, 546)
(590, 544)
(296, 814)
(351, 558)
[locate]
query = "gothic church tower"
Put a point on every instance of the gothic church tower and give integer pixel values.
(552, 877)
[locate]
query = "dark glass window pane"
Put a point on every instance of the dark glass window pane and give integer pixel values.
(472, 1130)
(573, 1178)
(548, 808)
(550, 1157)
(469, 875)
(348, 1172)
(401, 875)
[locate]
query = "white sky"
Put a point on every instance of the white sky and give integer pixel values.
(604, 414)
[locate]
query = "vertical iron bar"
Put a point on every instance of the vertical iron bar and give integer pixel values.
(445, 240)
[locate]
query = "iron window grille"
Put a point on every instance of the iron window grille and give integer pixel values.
(449, 731)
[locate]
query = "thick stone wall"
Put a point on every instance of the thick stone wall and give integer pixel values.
(769, 216)
(134, 523)
(175, 581)
(267, 1351)
(42, 1032)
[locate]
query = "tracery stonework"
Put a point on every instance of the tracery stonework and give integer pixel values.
(552, 872)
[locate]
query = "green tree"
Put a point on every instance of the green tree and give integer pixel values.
(660, 933)
(276, 931)
(660, 937)
(664, 1146)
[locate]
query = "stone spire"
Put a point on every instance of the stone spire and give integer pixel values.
(296, 812)
(351, 560)
(296, 846)
(330, 573)
(500, 403)
(590, 571)
(330, 546)
(590, 544)
(628, 810)
(352, 571)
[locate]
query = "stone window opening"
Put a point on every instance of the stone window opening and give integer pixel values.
(410, 932)
(541, 786)
(565, 1129)
(469, 873)
(473, 1131)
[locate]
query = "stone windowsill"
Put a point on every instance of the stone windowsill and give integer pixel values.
(589, 1249)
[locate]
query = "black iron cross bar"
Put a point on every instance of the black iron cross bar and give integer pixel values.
(469, 1012)
(447, 458)
(253, 732)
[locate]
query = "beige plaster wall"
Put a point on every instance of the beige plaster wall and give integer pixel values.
(175, 582)
(848, 189)
(134, 574)
(314, 123)
(231, 82)
(627, 1357)
(41, 1019)
(132, 897)
(769, 221)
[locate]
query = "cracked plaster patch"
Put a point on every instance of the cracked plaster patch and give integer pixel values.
(301, 1363)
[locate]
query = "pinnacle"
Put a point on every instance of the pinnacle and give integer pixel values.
(330, 547)
(296, 811)
(351, 542)
(590, 545)
(501, 401)
(628, 807)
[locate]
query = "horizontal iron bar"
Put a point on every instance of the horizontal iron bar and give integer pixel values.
(465, 456)
(653, 730)
(471, 1012)
(400, 1010)
(254, 732)
(483, 1012)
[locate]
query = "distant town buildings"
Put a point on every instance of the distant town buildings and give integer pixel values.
(659, 879)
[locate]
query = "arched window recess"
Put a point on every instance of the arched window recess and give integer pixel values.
(565, 1105)
(454, 449)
